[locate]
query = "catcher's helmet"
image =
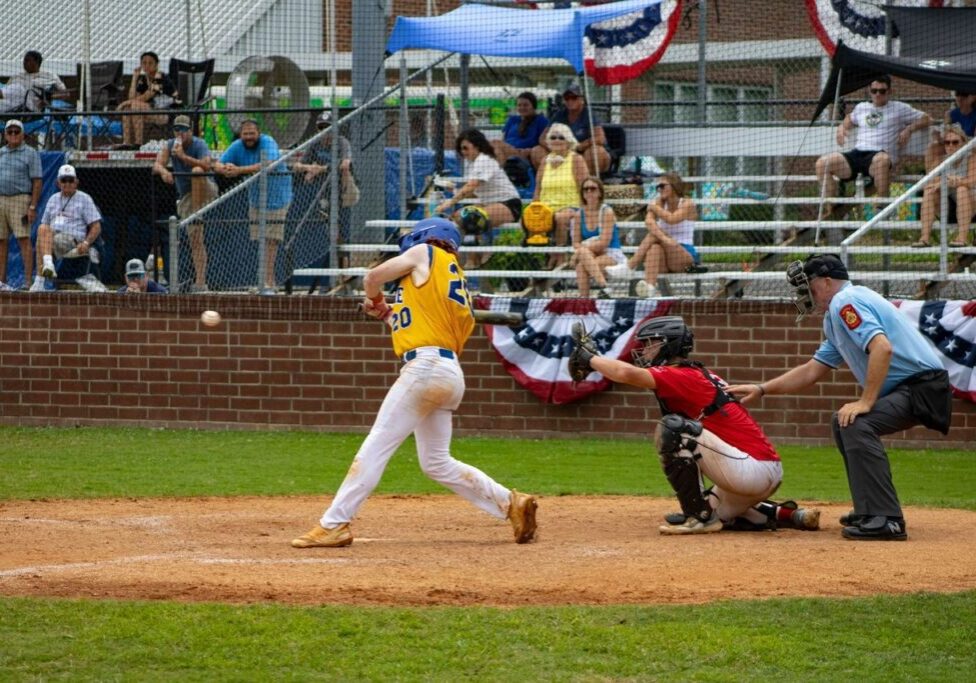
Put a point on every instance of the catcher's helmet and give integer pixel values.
(431, 228)
(679, 340)
(474, 220)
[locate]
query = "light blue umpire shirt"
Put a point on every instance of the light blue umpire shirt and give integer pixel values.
(857, 315)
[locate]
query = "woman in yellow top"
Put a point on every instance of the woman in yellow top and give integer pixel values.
(558, 181)
(431, 320)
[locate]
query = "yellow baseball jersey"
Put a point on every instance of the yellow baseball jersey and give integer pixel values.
(437, 313)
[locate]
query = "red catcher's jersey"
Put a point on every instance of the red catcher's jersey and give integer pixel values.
(686, 390)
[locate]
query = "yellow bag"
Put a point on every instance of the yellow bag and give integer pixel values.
(538, 223)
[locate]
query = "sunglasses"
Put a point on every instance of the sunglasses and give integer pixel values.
(13, 131)
(181, 129)
(134, 276)
(879, 91)
(590, 188)
(556, 137)
(661, 186)
(953, 142)
(570, 97)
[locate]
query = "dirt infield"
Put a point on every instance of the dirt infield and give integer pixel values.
(438, 550)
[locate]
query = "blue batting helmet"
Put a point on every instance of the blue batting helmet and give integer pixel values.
(431, 228)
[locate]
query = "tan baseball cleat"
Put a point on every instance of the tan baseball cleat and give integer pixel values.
(806, 519)
(693, 525)
(521, 513)
(320, 537)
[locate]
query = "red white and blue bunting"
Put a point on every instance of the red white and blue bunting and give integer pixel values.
(859, 23)
(951, 328)
(623, 48)
(535, 354)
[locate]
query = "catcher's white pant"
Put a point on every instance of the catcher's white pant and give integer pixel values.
(421, 401)
(740, 481)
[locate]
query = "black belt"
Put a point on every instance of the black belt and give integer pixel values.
(410, 355)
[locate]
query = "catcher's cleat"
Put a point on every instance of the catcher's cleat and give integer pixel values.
(521, 513)
(675, 518)
(805, 519)
(320, 537)
(693, 525)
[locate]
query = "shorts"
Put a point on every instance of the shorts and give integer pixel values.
(184, 205)
(860, 162)
(274, 223)
(515, 206)
(690, 248)
(617, 255)
(62, 243)
(13, 216)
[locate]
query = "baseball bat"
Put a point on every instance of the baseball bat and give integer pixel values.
(509, 318)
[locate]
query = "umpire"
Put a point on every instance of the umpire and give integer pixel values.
(903, 385)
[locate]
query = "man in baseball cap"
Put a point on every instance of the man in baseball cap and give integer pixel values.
(590, 142)
(195, 188)
(136, 281)
(903, 384)
(20, 191)
(70, 225)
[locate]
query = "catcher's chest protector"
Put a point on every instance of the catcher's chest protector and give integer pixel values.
(538, 224)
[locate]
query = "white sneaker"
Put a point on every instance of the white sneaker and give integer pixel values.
(48, 271)
(645, 290)
(90, 283)
(38, 285)
(693, 525)
(621, 271)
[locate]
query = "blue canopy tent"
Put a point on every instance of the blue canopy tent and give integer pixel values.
(513, 32)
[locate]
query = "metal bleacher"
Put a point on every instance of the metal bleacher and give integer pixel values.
(753, 270)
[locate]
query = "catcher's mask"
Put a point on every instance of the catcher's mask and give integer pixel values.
(474, 220)
(799, 274)
(429, 229)
(679, 340)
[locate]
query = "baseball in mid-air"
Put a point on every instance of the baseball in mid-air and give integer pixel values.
(210, 318)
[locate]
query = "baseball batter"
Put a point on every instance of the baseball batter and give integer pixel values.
(430, 320)
(704, 431)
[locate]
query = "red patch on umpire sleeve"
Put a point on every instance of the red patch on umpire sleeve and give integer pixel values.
(850, 316)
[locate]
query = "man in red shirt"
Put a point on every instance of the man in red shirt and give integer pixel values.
(705, 431)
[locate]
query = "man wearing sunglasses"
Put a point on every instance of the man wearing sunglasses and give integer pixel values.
(195, 188)
(20, 191)
(575, 114)
(136, 281)
(70, 226)
(884, 126)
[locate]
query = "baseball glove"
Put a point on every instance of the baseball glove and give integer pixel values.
(583, 351)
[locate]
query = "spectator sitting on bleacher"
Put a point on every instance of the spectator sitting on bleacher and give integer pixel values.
(558, 182)
(522, 130)
(596, 241)
(668, 246)
(963, 114)
(484, 180)
(149, 89)
(961, 182)
(27, 91)
(136, 281)
(576, 114)
(884, 126)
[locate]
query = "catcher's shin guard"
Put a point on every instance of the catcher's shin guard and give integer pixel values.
(680, 463)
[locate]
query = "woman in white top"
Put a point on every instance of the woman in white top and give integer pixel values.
(596, 242)
(484, 180)
(961, 181)
(668, 246)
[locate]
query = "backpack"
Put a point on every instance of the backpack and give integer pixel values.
(538, 222)
(519, 171)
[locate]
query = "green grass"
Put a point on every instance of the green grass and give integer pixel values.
(891, 638)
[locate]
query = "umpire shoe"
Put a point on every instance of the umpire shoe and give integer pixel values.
(852, 519)
(521, 513)
(320, 537)
(693, 525)
(877, 528)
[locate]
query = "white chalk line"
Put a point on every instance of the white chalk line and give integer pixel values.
(152, 522)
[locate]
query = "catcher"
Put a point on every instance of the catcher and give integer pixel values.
(704, 431)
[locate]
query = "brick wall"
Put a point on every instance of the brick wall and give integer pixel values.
(311, 363)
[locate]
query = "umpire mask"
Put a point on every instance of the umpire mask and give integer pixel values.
(799, 274)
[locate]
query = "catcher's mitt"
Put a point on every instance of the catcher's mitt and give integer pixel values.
(583, 351)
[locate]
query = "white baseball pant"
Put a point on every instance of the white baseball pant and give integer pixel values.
(421, 401)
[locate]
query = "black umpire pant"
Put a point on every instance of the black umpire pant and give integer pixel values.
(911, 403)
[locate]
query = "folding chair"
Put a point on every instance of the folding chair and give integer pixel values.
(83, 270)
(192, 80)
(106, 92)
